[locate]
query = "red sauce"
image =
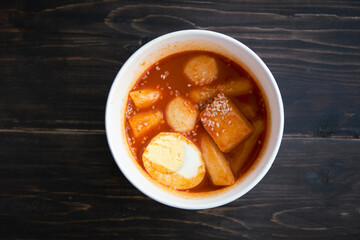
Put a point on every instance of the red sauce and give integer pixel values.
(168, 77)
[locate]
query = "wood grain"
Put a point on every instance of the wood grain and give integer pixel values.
(58, 60)
(67, 186)
(62, 57)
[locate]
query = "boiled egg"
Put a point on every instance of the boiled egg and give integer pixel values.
(174, 161)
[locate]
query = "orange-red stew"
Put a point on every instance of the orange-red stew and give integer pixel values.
(167, 75)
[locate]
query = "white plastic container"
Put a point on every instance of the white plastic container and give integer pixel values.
(151, 53)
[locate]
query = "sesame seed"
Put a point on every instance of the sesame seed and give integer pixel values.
(164, 75)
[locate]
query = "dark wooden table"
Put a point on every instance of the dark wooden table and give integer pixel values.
(58, 179)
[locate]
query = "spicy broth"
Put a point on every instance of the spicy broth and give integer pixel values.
(167, 76)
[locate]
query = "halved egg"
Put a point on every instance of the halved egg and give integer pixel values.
(174, 161)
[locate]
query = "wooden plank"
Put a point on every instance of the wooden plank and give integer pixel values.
(66, 185)
(61, 57)
(57, 62)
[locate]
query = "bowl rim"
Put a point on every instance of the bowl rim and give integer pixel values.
(269, 161)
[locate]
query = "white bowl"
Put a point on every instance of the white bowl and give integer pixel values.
(151, 53)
